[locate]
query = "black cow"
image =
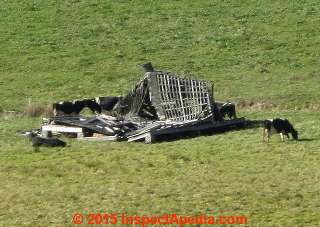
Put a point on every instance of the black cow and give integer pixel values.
(107, 103)
(228, 109)
(281, 126)
(38, 141)
(75, 107)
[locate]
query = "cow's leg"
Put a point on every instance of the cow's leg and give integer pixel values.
(281, 135)
(268, 135)
(263, 135)
(234, 112)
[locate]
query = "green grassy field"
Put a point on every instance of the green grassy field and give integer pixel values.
(263, 55)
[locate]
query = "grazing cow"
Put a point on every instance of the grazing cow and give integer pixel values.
(107, 103)
(281, 126)
(75, 107)
(228, 109)
(64, 108)
(38, 141)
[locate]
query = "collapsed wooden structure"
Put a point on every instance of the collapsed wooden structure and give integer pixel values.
(160, 106)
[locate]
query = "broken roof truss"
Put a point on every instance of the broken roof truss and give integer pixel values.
(171, 98)
(180, 99)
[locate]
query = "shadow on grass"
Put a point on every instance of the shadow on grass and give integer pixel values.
(196, 133)
(307, 139)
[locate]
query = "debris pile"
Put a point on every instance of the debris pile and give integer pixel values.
(161, 105)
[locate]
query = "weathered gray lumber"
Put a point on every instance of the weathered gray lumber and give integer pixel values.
(45, 129)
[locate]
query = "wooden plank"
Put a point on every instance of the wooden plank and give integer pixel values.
(99, 138)
(176, 94)
(165, 95)
(60, 128)
(211, 100)
(171, 97)
(193, 100)
(154, 92)
(176, 107)
(138, 137)
(197, 99)
(201, 97)
(145, 129)
(190, 99)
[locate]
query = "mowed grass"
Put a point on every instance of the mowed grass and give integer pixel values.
(270, 183)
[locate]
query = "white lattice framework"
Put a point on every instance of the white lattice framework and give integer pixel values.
(180, 99)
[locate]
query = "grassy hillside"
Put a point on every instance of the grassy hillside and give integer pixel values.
(255, 51)
(260, 54)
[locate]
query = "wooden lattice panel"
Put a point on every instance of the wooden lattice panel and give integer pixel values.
(180, 99)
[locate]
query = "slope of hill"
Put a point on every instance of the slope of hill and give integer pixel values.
(255, 51)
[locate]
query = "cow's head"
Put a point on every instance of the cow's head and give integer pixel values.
(294, 134)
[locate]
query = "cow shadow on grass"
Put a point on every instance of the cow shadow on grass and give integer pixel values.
(307, 139)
